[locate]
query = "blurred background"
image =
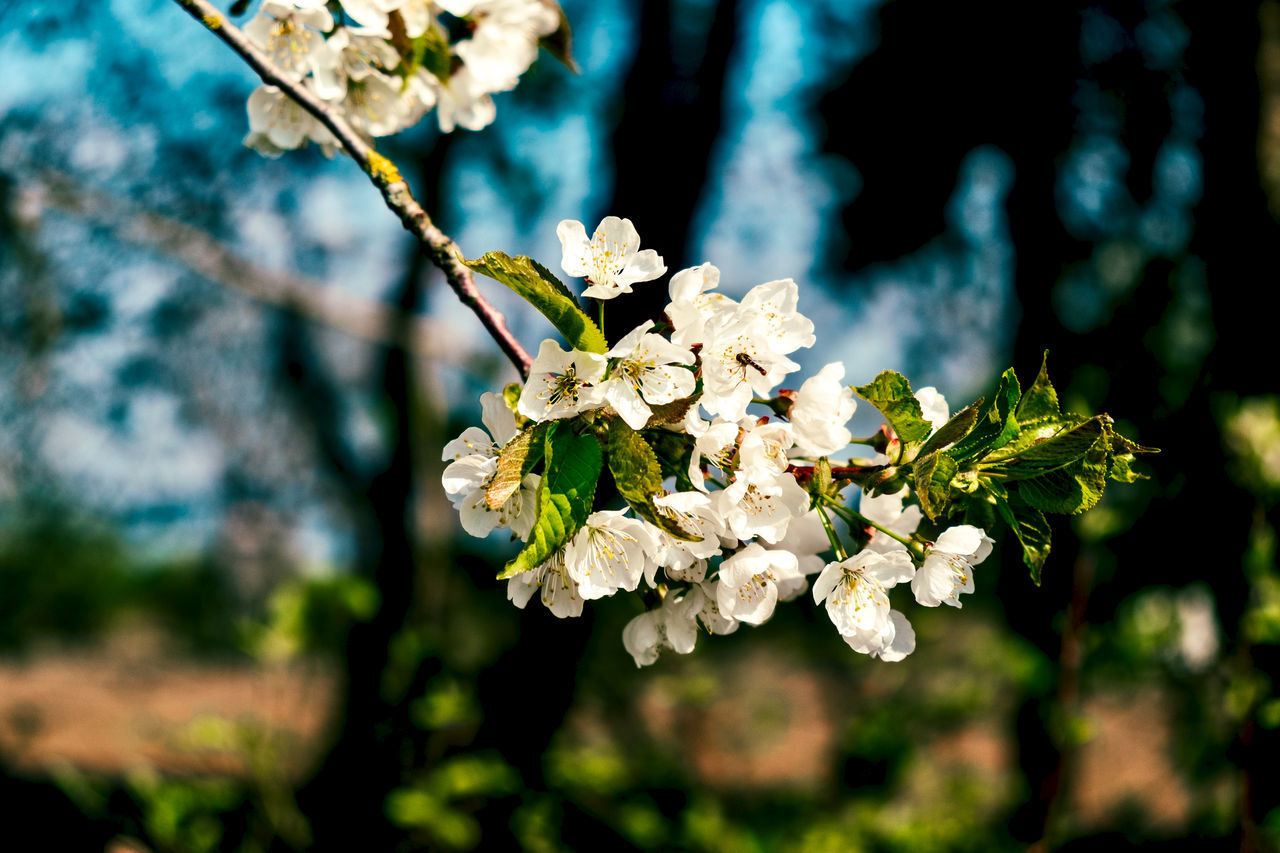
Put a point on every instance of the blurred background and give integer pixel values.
(237, 612)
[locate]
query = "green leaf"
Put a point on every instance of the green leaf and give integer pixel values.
(545, 292)
(565, 494)
(890, 392)
(997, 423)
(933, 475)
(638, 476)
(1123, 453)
(1063, 446)
(1058, 476)
(1032, 530)
(515, 460)
(560, 43)
(1041, 400)
(953, 430)
(673, 450)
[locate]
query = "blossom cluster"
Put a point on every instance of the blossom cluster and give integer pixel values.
(739, 523)
(384, 64)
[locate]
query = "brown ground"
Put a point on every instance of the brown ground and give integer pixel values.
(769, 724)
(101, 712)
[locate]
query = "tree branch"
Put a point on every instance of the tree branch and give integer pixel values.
(440, 248)
(347, 312)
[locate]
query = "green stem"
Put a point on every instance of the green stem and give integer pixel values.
(853, 517)
(831, 534)
(601, 306)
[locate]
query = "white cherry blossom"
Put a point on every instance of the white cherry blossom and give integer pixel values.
(293, 39)
(855, 591)
(504, 41)
(673, 626)
(611, 260)
(710, 616)
(761, 507)
(374, 105)
(762, 453)
(748, 589)
(738, 364)
(648, 372)
(819, 412)
(461, 101)
(695, 301)
(948, 565)
(774, 303)
(608, 553)
(473, 458)
(934, 406)
(558, 590)
(370, 13)
(693, 512)
(362, 53)
(562, 384)
(718, 442)
(280, 122)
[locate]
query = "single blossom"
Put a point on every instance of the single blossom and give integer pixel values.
(694, 513)
(948, 565)
(716, 442)
(710, 615)
(559, 591)
(562, 384)
(774, 304)
(673, 626)
(694, 302)
(761, 507)
(738, 364)
(611, 260)
(279, 123)
(748, 589)
(608, 553)
(895, 641)
(819, 412)
(647, 372)
(293, 39)
(764, 447)
(855, 591)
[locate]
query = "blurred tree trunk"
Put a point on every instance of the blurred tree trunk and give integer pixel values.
(946, 79)
(346, 797)
(663, 143)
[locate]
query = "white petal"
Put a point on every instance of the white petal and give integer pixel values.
(963, 539)
(643, 266)
(641, 639)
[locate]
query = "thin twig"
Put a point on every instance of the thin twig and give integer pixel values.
(439, 247)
